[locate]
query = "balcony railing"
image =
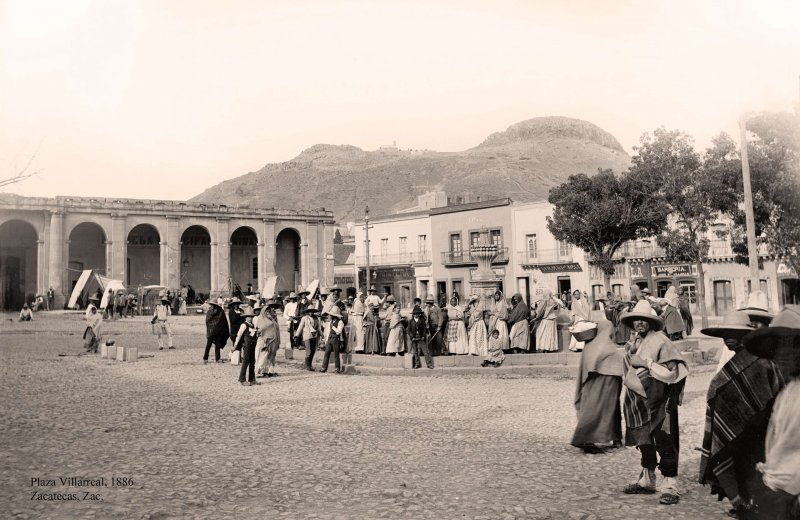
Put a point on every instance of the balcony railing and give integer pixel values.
(421, 257)
(545, 256)
(464, 257)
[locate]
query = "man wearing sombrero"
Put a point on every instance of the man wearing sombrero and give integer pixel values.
(308, 332)
(291, 316)
(246, 339)
(654, 376)
(757, 309)
(738, 403)
(160, 325)
(780, 470)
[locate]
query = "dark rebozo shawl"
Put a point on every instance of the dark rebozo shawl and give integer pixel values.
(738, 395)
(520, 312)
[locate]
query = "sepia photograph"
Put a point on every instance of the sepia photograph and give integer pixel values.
(400, 259)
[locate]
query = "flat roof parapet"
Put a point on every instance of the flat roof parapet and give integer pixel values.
(12, 201)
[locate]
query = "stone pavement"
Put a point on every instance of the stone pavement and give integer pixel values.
(302, 445)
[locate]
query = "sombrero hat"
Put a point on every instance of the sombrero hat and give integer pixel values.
(764, 342)
(335, 289)
(215, 302)
(735, 324)
(757, 305)
(292, 296)
(247, 311)
(417, 310)
(372, 289)
(644, 312)
(94, 298)
(273, 303)
(234, 301)
(309, 309)
(335, 311)
(429, 299)
(302, 293)
(390, 299)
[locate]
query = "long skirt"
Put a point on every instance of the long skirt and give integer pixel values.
(599, 412)
(673, 322)
(182, 308)
(356, 337)
(520, 335)
(457, 342)
(547, 336)
(502, 328)
(478, 339)
(373, 343)
(265, 355)
(394, 344)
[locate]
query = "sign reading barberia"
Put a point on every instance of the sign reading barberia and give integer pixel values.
(571, 267)
(674, 270)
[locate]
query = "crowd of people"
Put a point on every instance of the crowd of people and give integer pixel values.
(750, 451)
(629, 368)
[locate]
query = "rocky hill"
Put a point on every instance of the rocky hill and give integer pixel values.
(523, 163)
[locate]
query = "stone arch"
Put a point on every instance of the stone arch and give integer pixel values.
(244, 257)
(287, 260)
(18, 263)
(196, 258)
(87, 250)
(143, 264)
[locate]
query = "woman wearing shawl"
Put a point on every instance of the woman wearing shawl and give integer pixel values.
(498, 317)
(518, 321)
(547, 330)
(355, 340)
(654, 376)
(457, 342)
(579, 311)
(671, 314)
(385, 316)
(394, 344)
(478, 336)
(739, 402)
(598, 391)
(686, 311)
(372, 332)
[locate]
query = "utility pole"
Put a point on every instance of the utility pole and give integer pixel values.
(366, 228)
(752, 248)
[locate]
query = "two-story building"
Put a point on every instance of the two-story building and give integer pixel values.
(399, 256)
(454, 230)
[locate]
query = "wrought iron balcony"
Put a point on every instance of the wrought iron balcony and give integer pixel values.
(454, 258)
(545, 256)
(412, 258)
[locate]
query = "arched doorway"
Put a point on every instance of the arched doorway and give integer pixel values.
(87, 250)
(196, 260)
(244, 258)
(287, 261)
(18, 264)
(144, 256)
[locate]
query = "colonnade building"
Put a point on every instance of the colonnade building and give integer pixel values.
(48, 242)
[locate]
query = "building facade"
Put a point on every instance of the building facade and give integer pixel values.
(454, 230)
(399, 254)
(47, 242)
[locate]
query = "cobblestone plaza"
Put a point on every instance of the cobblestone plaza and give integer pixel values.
(195, 444)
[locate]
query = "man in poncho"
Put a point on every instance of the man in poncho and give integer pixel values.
(216, 330)
(654, 377)
(739, 402)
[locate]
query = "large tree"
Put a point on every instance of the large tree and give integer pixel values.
(695, 188)
(600, 213)
(774, 159)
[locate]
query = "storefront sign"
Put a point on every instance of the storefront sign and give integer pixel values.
(387, 275)
(671, 271)
(572, 267)
(785, 270)
(343, 281)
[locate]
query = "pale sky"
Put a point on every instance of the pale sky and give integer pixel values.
(162, 99)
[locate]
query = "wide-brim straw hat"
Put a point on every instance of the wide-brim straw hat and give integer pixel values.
(429, 299)
(757, 307)
(335, 289)
(335, 311)
(735, 324)
(235, 301)
(417, 310)
(247, 311)
(303, 293)
(372, 289)
(292, 296)
(273, 303)
(390, 299)
(94, 298)
(215, 303)
(310, 309)
(785, 326)
(644, 312)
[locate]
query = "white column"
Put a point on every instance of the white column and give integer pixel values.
(163, 262)
(262, 277)
(215, 289)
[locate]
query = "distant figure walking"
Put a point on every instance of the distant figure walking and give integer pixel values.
(160, 324)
